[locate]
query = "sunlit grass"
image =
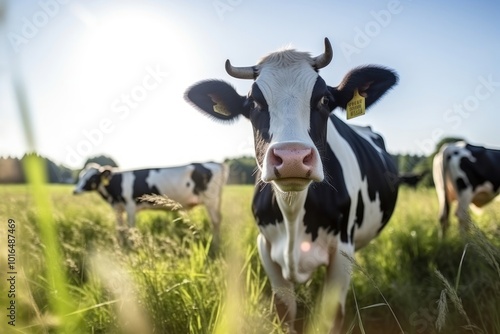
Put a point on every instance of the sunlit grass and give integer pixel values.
(178, 285)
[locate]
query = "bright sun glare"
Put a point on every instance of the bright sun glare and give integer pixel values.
(129, 37)
(118, 44)
(116, 56)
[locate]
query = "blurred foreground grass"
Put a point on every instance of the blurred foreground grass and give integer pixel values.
(169, 281)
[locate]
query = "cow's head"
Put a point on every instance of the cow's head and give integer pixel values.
(289, 105)
(91, 177)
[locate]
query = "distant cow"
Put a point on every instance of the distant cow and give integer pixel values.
(325, 188)
(190, 185)
(468, 174)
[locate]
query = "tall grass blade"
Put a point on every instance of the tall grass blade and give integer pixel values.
(36, 174)
(131, 316)
(460, 267)
(455, 299)
(231, 319)
(358, 313)
(357, 266)
(442, 311)
(484, 247)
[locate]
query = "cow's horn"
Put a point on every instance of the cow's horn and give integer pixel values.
(248, 72)
(325, 58)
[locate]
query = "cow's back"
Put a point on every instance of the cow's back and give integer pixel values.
(484, 168)
(370, 181)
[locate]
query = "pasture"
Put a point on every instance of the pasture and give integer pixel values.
(169, 281)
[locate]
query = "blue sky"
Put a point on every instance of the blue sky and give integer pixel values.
(107, 77)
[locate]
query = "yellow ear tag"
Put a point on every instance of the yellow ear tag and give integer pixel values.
(218, 107)
(355, 107)
(221, 109)
(105, 181)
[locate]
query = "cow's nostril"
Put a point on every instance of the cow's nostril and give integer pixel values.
(276, 160)
(308, 159)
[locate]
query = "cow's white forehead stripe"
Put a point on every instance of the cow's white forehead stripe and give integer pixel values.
(289, 106)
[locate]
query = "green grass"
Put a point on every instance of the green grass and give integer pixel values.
(169, 280)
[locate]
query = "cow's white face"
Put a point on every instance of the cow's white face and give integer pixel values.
(289, 104)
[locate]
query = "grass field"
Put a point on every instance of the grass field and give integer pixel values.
(169, 281)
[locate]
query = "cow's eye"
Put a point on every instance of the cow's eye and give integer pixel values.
(324, 101)
(255, 105)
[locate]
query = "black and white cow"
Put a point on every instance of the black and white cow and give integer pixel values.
(326, 188)
(189, 185)
(468, 174)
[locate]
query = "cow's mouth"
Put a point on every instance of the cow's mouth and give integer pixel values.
(292, 183)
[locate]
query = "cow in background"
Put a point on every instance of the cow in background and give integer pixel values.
(189, 185)
(468, 174)
(325, 188)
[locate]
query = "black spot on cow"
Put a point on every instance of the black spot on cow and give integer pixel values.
(92, 183)
(201, 176)
(320, 110)
(461, 185)
(360, 210)
(483, 168)
(259, 116)
(140, 186)
(114, 190)
(325, 208)
(264, 206)
(372, 165)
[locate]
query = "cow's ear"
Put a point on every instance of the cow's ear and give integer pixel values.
(371, 82)
(217, 99)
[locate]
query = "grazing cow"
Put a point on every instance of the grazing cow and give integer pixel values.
(468, 174)
(325, 188)
(190, 185)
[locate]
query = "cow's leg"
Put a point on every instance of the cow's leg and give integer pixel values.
(213, 209)
(462, 213)
(444, 217)
(123, 230)
(337, 280)
(283, 290)
(120, 224)
(131, 207)
(444, 190)
(212, 199)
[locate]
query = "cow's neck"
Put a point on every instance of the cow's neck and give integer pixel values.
(291, 205)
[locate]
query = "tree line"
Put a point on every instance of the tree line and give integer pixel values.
(12, 170)
(242, 170)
